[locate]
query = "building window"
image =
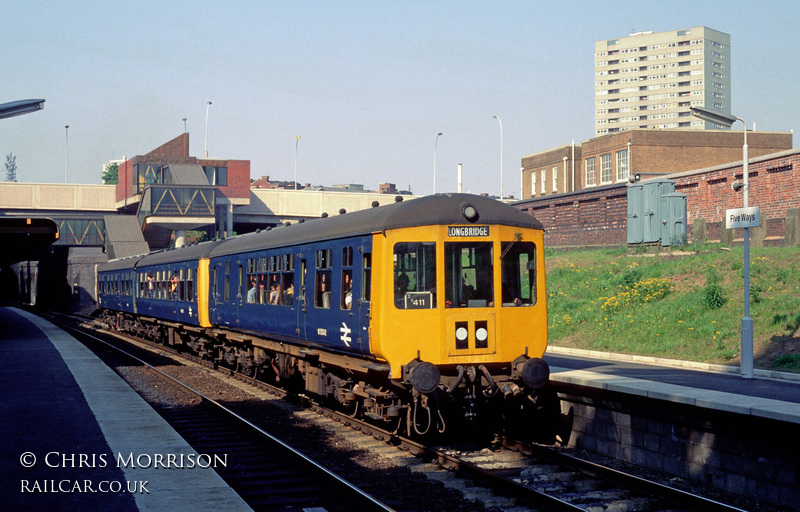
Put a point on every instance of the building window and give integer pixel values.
(544, 178)
(622, 165)
(217, 175)
(533, 183)
(591, 171)
(555, 179)
(605, 168)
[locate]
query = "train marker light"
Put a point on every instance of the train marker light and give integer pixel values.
(469, 212)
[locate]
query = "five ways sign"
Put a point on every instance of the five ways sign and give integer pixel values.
(742, 218)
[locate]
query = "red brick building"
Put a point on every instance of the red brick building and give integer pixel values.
(180, 191)
(597, 216)
(612, 158)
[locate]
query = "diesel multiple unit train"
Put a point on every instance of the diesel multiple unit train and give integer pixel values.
(420, 313)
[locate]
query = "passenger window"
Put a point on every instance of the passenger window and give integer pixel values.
(189, 285)
(518, 264)
(322, 282)
(346, 293)
(469, 275)
(415, 275)
(227, 288)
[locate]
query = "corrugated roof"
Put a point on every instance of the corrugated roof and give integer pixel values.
(188, 174)
(124, 236)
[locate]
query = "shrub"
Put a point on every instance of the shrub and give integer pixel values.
(713, 294)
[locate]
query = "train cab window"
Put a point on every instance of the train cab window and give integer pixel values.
(469, 271)
(415, 275)
(322, 279)
(366, 277)
(518, 264)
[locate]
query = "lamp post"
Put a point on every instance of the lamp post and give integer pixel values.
(747, 321)
(434, 161)
(66, 175)
(208, 105)
(501, 155)
(296, 144)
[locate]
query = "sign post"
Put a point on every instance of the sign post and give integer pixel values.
(748, 217)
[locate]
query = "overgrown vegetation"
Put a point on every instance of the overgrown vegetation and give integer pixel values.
(681, 306)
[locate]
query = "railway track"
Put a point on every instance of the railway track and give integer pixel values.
(264, 471)
(515, 476)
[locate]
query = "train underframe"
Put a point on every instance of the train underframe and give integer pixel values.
(428, 400)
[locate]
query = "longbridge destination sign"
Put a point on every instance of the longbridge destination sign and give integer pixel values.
(464, 231)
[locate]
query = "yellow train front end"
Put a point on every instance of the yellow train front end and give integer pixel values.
(461, 308)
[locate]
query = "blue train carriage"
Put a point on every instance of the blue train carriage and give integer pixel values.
(172, 285)
(307, 284)
(115, 285)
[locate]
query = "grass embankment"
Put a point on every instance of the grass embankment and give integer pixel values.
(685, 306)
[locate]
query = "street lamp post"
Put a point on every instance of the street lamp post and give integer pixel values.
(747, 321)
(66, 175)
(208, 105)
(434, 161)
(501, 155)
(296, 144)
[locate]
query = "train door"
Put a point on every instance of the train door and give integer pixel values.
(362, 296)
(239, 294)
(302, 303)
(352, 288)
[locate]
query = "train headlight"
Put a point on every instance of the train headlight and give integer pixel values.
(461, 334)
(481, 334)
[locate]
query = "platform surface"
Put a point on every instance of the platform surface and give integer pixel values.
(768, 394)
(75, 436)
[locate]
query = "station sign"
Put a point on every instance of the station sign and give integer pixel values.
(462, 231)
(742, 218)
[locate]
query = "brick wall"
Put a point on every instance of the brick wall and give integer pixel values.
(774, 188)
(588, 217)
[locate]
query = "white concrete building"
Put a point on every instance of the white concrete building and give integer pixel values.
(650, 80)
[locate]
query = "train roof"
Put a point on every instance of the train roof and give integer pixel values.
(185, 253)
(425, 211)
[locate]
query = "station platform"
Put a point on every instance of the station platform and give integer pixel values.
(77, 437)
(768, 394)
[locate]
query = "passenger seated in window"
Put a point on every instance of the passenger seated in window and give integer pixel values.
(288, 295)
(251, 293)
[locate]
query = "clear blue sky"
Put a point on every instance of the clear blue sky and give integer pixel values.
(366, 84)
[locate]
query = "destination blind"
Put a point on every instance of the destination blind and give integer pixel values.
(463, 231)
